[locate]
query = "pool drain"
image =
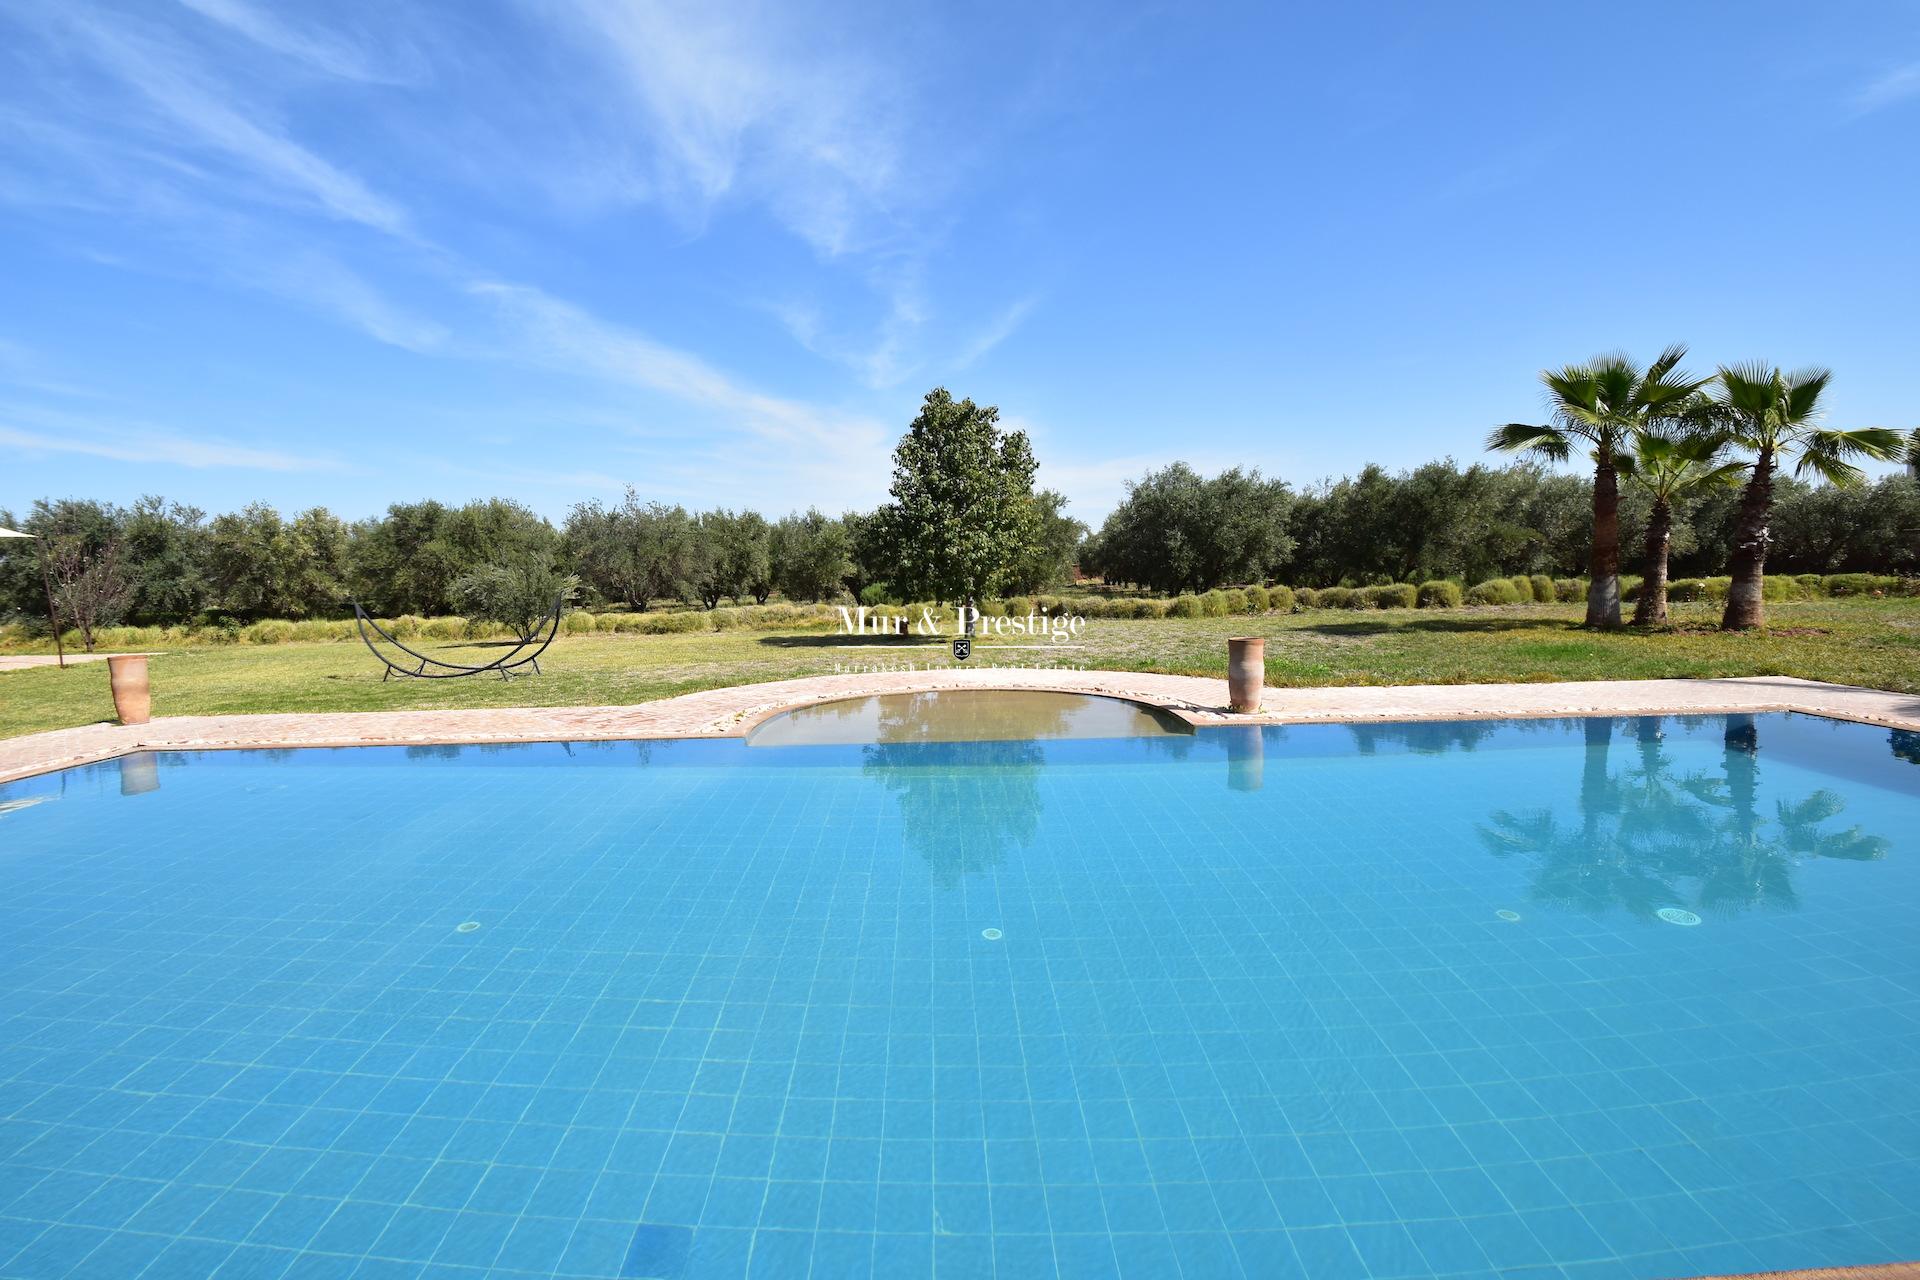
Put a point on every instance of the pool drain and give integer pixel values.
(1674, 915)
(1508, 916)
(991, 935)
(467, 927)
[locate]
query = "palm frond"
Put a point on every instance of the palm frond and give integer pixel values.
(1520, 437)
(1723, 476)
(1829, 466)
(1803, 389)
(1826, 453)
(1666, 362)
(1882, 444)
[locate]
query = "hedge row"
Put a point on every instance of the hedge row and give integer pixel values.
(1537, 589)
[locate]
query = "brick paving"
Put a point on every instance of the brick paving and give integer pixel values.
(27, 661)
(735, 710)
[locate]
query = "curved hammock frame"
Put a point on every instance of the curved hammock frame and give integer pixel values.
(424, 667)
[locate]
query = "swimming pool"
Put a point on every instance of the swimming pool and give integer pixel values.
(1597, 998)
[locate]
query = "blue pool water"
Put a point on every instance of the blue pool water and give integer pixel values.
(1372, 1002)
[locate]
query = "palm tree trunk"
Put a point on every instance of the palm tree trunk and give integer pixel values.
(1603, 561)
(1746, 606)
(1651, 610)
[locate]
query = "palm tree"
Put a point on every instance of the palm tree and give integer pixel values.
(1604, 403)
(1671, 468)
(1913, 453)
(1775, 415)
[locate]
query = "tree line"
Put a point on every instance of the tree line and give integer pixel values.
(1473, 523)
(965, 521)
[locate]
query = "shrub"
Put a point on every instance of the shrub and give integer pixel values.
(1334, 598)
(877, 593)
(1398, 595)
(1186, 607)
(444, 629)
(579, 623)
(1439, 594)
(406, 626)
(1775, 587)
(341, 629)
(1236, 601)
(1569, 590)
(269, 632)
(661, 624)
(1214, 604)
(518, 595)
(1280, 599)
(1306, 598)
(1258, 600)
(1522, 588)
(1686, 590)
(1146, 607)
(1495, 592)
(1858, 584)
(1542, 588)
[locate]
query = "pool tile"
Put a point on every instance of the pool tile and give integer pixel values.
(732, 1014)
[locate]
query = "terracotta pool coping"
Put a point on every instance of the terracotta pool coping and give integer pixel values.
(733, 711)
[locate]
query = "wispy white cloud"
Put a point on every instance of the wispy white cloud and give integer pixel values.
(997, 332)
(324, 284)
(757, 102)
(23, 367)
(559, 334)
(1895, 86)
(321, 50)
(171, 81)
(158, 447)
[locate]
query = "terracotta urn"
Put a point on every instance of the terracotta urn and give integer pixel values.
(132, 697)
(1246, 672)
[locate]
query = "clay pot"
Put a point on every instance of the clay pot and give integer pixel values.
(132, 698)
(1246, 672)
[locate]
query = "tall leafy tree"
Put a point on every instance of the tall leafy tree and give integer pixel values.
(810, 556)
(872, 558)
(1603, 404)
(1177, 531)
(262, 566)
(1055, 546)
(1671, 469)
(962, 516)
(165, 544)
(1776, 415)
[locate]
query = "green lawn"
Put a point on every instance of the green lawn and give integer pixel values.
(1873, 642)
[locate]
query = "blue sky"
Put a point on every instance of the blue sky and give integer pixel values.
(347, 254)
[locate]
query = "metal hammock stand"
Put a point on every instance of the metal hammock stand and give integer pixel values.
(429, 668)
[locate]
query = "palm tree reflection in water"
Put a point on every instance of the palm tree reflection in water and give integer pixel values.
(1648, 837)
